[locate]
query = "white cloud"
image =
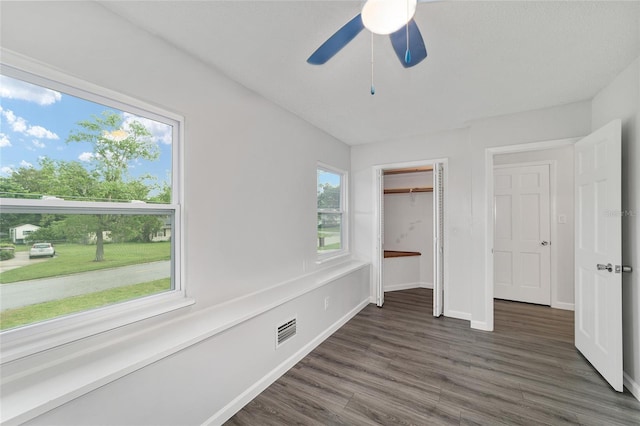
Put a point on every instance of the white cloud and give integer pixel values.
(6, 170)
(19, 125)
(41, 132)
(15, 89)
(38, 144)
(160, 132)
(24, 163)
(4, 141)
(86, 156)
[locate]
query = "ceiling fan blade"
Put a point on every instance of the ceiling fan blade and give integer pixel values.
(417, 50)
(337, 41)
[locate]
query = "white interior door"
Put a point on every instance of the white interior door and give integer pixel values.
(380, 238)
(438, 240)
(522, 254)
(598, 288)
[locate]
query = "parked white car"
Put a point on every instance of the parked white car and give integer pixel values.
(41, 250)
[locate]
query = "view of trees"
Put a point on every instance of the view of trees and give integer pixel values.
(328, 196)
(116, 146)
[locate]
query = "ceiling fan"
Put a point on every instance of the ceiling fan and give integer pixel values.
(392, 17)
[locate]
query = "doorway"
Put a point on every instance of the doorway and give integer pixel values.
(414, 253)
(556, 242)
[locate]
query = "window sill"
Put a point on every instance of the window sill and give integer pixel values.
(35, 338)
(34, 385)
(340, 256)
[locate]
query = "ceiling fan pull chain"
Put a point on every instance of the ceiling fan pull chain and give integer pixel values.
(407, 53)
(373, 88)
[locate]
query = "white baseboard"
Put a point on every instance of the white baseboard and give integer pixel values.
(563, 305)
(407, 286)
(245, 397)
(630, 384)
(480, 325)
(457, 314)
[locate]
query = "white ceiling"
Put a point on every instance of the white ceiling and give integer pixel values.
(485, 58)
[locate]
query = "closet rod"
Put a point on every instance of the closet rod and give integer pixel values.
(408, 190)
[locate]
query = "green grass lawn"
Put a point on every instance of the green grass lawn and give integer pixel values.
(56, 308)
(74, 258)
(334, 246)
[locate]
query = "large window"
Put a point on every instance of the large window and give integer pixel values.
(331, 212)
(89, 201)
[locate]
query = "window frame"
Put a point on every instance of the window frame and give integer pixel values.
(322, 257)
(26, 340)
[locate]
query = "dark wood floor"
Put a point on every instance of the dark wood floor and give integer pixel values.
(399, 365)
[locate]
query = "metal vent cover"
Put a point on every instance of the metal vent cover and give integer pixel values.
(286, 331)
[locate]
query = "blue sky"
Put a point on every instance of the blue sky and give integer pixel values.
(327, 177)
(35, 122)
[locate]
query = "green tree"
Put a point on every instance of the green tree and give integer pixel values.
(53, 229)
(116, 145)
(63, 179)
(10, 188)
(328, 196)
(164, 195)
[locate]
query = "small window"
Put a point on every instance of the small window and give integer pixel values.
(331, 221)
(88, 187)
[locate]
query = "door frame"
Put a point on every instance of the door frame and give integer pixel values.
(489, 241)
(378, 228)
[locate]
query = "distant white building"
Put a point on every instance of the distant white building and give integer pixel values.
(163, 234)
(20, 233)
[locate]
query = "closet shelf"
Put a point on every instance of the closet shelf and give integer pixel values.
(395, 253)
(408, 190)
(409, 170)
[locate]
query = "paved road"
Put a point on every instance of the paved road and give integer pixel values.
(26, 293)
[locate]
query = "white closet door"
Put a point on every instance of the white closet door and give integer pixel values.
(380, 238)
(438, 240)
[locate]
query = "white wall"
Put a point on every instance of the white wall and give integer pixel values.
(562, 270)
(452, 145)
(250, 212)
(555, 123)
(227, 129)
(467, 290)
(621, 99)
(191, 386)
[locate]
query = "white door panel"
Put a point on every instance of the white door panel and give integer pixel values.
(438, 239)
(380, 238)
(598, 302)
(522, 264)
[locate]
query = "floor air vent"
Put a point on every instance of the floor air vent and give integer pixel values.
(285, 332)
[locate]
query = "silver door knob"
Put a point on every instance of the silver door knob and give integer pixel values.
(623, 268)
(603, 267)
(544, 243)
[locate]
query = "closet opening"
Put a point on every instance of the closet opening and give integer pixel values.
(410, 229)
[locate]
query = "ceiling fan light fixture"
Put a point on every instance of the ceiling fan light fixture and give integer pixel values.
(387, 16)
